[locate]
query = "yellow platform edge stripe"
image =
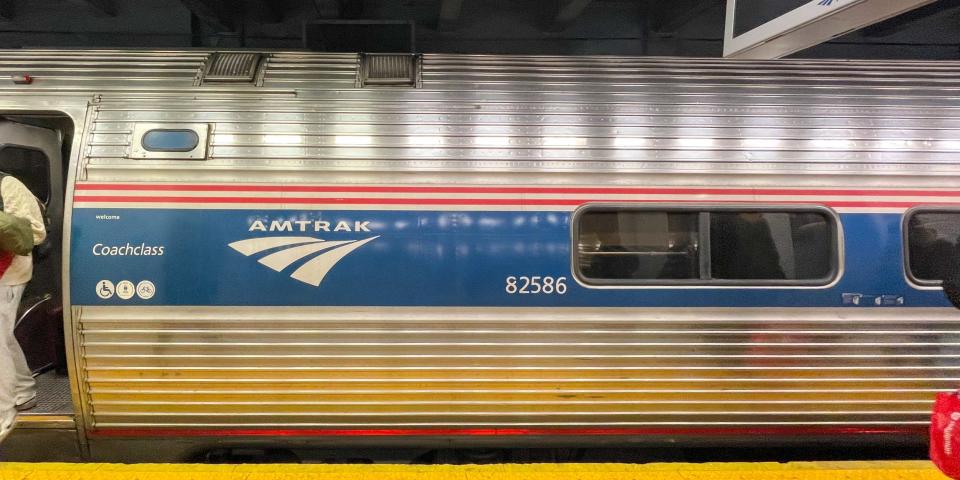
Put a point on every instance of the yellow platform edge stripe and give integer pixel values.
(880, 470)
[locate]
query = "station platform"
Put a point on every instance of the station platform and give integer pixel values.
(900, 470)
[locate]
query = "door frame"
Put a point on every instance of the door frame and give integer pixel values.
(77, 111)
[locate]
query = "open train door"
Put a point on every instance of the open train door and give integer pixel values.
(32, 148)
(32, 155)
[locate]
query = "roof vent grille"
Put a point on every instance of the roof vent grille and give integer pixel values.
(231, 67)
(389, 70)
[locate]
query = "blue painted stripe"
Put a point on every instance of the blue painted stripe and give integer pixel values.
(421, 258)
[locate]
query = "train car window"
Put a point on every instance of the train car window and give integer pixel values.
(932, 245)
(180, 140)
(30, 166)
(706, 246)
(770, 245)
(170, 141)
(635, 245)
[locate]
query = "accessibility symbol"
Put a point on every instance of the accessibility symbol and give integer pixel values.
(105, 289)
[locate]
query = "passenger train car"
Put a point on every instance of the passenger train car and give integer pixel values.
(302, 250)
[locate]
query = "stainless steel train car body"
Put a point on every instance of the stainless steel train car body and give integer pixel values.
(493, 139)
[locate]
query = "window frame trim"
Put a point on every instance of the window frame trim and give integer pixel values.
(905, 244)
(46, 203)
(837, 258)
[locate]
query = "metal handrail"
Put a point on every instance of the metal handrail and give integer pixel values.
(43, 299)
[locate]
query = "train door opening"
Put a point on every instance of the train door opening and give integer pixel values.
(34, 149)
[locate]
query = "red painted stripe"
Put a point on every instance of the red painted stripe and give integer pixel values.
(514, 190)
(448, 201)
(506, 432)
(311, 200)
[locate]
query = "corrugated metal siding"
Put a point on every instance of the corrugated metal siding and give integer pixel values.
(514, 367)
(495, 114)
(101, 70)
(615, 74)
(323, 71)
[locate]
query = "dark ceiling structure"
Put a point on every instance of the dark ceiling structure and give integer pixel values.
(616, 27)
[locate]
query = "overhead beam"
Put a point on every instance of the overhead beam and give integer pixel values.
(449, 15)
(780, 33)
(567, 12)
(940, 9)
(7, 10)
(669, 17)
(212, 12)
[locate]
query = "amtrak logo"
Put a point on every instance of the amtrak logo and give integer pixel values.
(325, 254)
(827, 3)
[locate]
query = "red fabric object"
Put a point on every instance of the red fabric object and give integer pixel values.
(945, 434)
(6, 258)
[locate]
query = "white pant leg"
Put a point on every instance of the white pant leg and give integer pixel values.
(8, 372)
(8, 378)
(24, 386)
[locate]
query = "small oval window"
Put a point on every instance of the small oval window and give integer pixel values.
(168, 140)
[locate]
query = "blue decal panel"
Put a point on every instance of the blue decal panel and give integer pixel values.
(402, 258)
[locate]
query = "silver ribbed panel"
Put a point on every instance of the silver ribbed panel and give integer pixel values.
(294, 141)
(311, 71)
(101, 70)
(704, 76)
(297, 367)
(500, 117)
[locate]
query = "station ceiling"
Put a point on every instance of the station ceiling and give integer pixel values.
(613, 27)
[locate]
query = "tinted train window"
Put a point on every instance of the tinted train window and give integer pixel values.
(704, 246)
(160, 140)
(770, 246)
(32, 167)
(634, 245)
(170, 141)
(933, 245)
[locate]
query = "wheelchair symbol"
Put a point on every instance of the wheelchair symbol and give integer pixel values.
(105, 289)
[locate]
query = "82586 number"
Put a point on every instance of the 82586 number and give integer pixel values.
(536, 285)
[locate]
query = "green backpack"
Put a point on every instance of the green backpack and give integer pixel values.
(15, 233)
